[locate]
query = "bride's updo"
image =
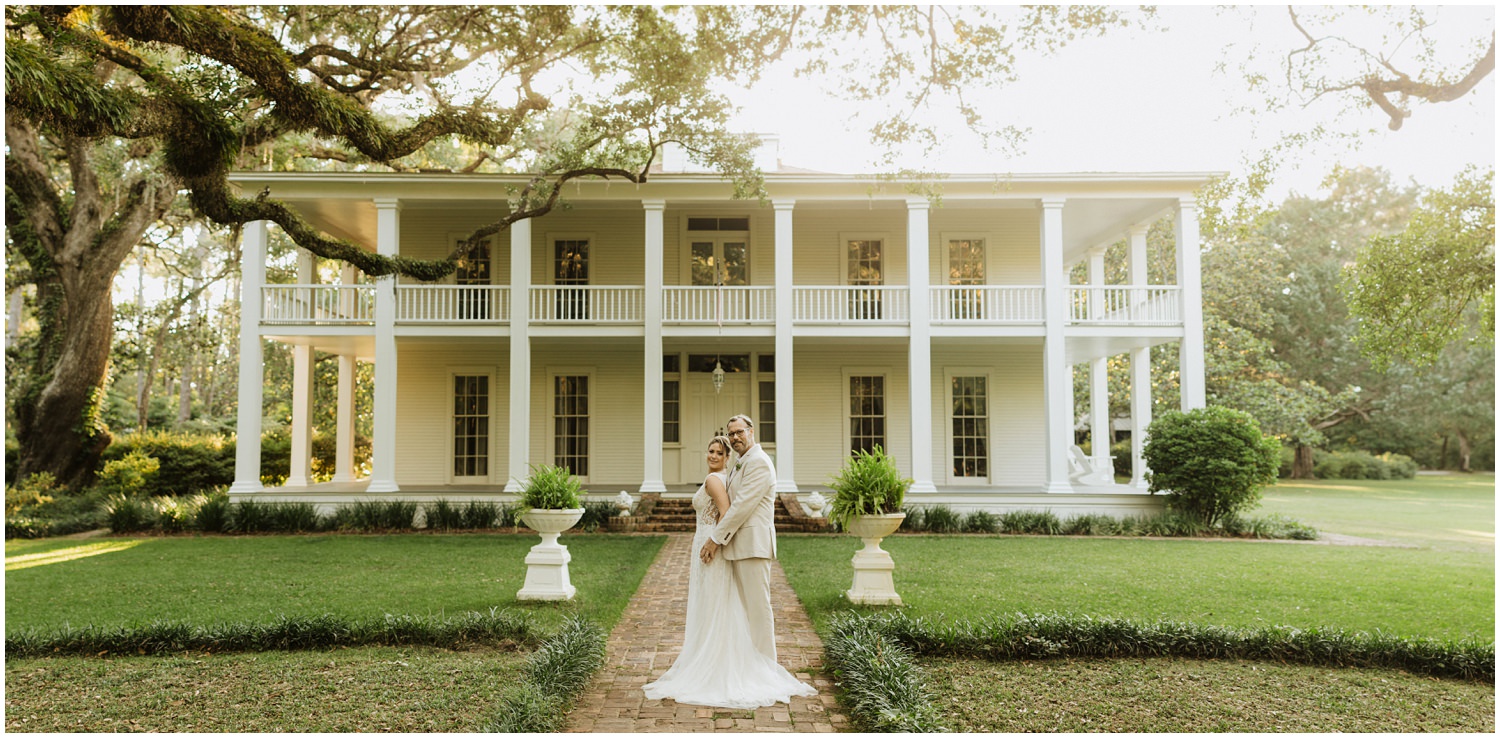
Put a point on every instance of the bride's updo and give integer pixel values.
(724, 442)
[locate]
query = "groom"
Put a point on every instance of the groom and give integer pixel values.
(747, 534)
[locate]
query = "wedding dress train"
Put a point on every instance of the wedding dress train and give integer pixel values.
(719, 665)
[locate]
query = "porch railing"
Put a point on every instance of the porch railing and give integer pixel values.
(587, 304)
(987, 304)
(1154, 305)
(440, 303)
(860, 305)
(318, 304)
(716, 304)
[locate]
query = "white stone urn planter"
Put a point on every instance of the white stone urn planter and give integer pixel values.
(873, 584)
(547, 564)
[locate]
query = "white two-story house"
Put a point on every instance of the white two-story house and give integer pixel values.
(617, 335)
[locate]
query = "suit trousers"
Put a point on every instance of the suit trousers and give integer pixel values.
(753, 578)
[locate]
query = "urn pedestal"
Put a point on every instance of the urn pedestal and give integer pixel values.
(873, 584)
(547, 563)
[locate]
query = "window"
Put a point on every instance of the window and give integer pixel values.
(671, 411)
(718, 224)
(866, 412)
(473, 270)
(570, 266)
(966, 269)
(971, 427)
(766, 431)
(471, 426)
(866, 268)
(570, 423)
(719, 262)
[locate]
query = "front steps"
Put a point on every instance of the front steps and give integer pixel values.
(675, 515)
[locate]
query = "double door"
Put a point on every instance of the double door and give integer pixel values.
(704, 414)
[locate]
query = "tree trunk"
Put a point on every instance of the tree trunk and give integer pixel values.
(1465, 450)
(1302, 462)
(1443, 457)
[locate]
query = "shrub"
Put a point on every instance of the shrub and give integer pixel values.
(376, 515)
(211, 511)
(190, 462)
(1091, 525)
(595, 514)
(125, 514)
(1173, 523)
(942, 519)
(551, 488)
(916, 519)
(553, 678)
(443, 515)
(1031, 521)
(172, 516)
(128, 475)
(982, 521)
(293, 517)
(33, 491)
(1121, 452)
(878, 679)
(1211, 462)
(1402, 466)
(869, 484)
(478, 514)
(1277, 527)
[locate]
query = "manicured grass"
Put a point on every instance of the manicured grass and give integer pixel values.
(371, 690)
(1451, 512)
(214, 579)
(1407, 592)
(1169, 695)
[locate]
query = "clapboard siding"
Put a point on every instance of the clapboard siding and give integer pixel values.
(1018, 445)
(429, 234)
(822, 412)
(616, 392)
(424, 408)
(616, 246)
(818, 252)
(1012, 237)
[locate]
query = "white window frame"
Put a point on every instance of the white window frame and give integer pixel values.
(493, 445)
(685, 241)
(756, 377)
(885, 254)
(989, 383)
(551, 429)
(884, 373)
(453, 240)
(549, 253)
(989, 240)
(679, 377)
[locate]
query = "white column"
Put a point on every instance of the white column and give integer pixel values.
(252, 375)
(343, 465)
(651, 433)
(919, 347)
(786, 425)
(1099, 384)
(1190, 277)
(302, 390)
(1140, 368)
(383, 445)
(520, 354)
(1057, 374)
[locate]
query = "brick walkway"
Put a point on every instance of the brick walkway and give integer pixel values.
(648, 638)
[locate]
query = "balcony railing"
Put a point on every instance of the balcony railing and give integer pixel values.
(452, 304)
(1155, 305)
(859, 305)
(587, 304)
(306, 304)
(987, 304)
(713, 305)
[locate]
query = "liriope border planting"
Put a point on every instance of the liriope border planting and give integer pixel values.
(872, 655)
(498, 627)
(555, 674)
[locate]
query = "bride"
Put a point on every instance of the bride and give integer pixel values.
(719, 665)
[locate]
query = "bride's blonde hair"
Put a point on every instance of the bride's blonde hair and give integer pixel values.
(723, 441)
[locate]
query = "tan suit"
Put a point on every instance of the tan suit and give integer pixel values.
(748, 534)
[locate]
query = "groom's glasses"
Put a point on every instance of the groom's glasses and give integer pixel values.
(737, 434)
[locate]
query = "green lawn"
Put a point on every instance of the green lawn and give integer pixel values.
(1451, 512)
(211, 579)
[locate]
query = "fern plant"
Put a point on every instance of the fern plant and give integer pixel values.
(551, 488)
(869, 484)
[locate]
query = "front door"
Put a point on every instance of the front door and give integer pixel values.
(704, 415)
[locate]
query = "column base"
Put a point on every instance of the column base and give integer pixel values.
(296, 482)
(342, 477)
(244, 487)
(1058, 488)
(652, 485)
(513, 487)
(383, 485)
(786, 487)
(922, 488)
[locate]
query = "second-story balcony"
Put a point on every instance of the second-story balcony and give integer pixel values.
(334, 305)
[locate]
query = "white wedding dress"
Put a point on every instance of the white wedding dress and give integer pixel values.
(719, 666)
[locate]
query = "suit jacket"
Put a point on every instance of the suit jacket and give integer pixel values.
(748, 530)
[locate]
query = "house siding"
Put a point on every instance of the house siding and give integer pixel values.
(424, 406)
(1018, 451)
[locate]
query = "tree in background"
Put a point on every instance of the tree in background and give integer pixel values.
(1416, 291)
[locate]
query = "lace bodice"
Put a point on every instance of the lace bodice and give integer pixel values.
(703, 503)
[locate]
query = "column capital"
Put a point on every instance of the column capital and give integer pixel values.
(1138, 229)
(783, 203)
(918, 203)
(387, 203)
(654, 204)
(1053, 203)
(1187, 202)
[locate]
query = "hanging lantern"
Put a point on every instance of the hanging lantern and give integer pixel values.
(718, 376)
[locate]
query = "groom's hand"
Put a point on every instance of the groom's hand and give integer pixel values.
(709, 549)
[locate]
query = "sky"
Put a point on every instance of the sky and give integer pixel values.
(1152, 100)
